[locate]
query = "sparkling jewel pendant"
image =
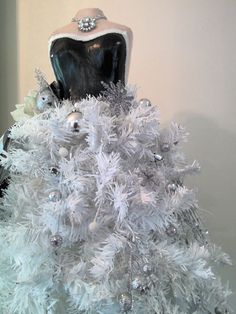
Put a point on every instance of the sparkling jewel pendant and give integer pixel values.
(86, 24)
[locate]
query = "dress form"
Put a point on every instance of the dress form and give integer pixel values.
(83, 60)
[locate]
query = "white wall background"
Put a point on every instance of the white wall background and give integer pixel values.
(183, 60)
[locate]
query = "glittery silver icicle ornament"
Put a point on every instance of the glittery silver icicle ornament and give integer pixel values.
(56, 240)
(73, 121)
(45, 99)
(145, 102)
(54, 196)
(126, 302)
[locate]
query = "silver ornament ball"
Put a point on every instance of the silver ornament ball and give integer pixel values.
(136, 283)
(126, 302)
(54, 170)
(54, 196)
(171, 231)
(147, 269)
(145, 102)
(45, 99)
(219, 310)
(56, 240)
(139, 285)
(158, 157)
(165, 147)
(171, 187)
(73, 121)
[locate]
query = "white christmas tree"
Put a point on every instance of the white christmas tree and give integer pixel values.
(96, 217)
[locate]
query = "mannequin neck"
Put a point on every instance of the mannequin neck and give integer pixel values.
(92, 12)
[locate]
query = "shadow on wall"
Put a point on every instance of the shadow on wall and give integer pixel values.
(8, 62)
(214, 148)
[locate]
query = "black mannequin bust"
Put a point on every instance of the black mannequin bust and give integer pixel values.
(82, 60)
(81, 66)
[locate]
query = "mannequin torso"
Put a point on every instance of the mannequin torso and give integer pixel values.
(81, 66)
(81, 60)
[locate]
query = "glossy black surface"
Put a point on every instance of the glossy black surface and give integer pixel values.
(4, 179)
(80, 66)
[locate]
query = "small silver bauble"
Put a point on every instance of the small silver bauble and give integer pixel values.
(54, 196)
(171, 231)
(171, 187)
(54, 170)
(136, 283)
(56, 240)
(147, 269)
(45, 99)
(73, 121)
(63, 152)
(126, 302)
(165, 147)
(145, 102)
(158, 157)
(221, 311)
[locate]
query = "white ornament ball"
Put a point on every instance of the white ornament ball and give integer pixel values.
(63, 152)
(77, 105)
(93, 226)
